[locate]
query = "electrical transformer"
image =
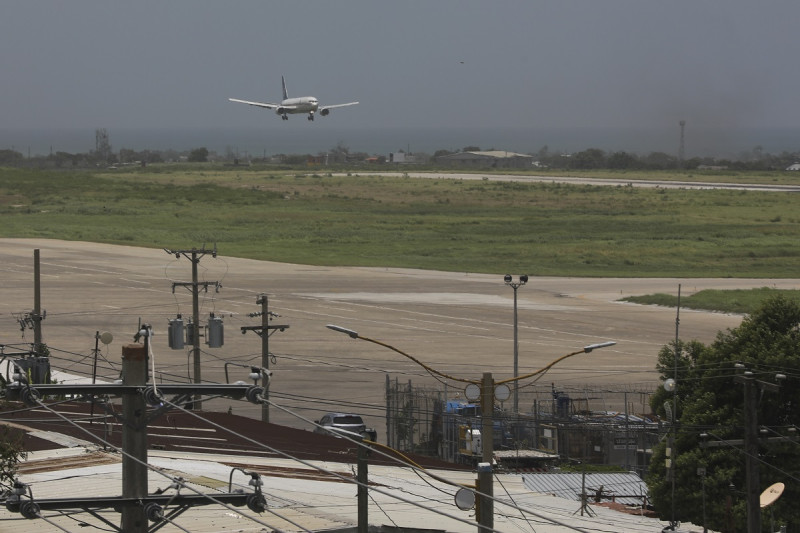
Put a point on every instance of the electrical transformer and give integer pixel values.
(214, 332)
(190, 332)
(176, 332)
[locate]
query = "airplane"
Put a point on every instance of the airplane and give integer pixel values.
(290, 106)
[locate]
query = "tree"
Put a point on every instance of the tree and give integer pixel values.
(660, 161)
(11, 453)
(710, 402)
(591, 158)
(10, 157)
(622, 160)
(198, 155)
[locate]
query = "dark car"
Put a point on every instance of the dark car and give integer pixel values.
(344, 424)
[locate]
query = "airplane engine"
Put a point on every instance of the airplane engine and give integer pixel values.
(325, 112)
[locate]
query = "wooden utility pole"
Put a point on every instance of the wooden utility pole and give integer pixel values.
(194, 255)
(363, 479)
(752, 387)
(264, 301)
(37, 303)
(134, 437)
(485, 474)
(263, 331)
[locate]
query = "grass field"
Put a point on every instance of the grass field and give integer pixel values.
(451, 225)
(730, 301)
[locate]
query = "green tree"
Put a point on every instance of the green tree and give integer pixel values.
(591, 158)
(11, 453)
(709, 402)
(622, 160)
(10, 157)
(198, 155)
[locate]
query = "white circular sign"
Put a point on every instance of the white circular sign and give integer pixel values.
(472, 392)
(465, 499)
(502, 392)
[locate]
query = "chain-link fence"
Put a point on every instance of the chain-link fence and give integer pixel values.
(581, 424)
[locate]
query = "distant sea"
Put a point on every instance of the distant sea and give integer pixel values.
(318, 138)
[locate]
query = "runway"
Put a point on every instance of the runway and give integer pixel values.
(459, 323)
(598, 182)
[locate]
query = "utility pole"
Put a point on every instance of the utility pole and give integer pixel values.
(752, 387)
(140, 405)
(37, 303)
(194, 255)
(263, 332)
(485, 474)
(264, 301)
(363, 479)
(134, 437)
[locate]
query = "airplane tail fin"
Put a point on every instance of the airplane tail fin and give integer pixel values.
(285, 92)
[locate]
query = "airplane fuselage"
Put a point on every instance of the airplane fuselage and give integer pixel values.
(303, 104)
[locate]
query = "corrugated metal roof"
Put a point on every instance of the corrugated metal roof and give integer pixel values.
(626, 488)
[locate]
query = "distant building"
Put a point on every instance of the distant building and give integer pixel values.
(490, 159)
(796, 166)
(405, 158)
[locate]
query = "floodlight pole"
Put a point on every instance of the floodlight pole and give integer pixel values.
(523, 279)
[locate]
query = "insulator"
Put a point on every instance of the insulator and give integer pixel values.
(257, 503)
(29, 509)
(154, 512)
(152, 396)
(254, 394)
(30, 396)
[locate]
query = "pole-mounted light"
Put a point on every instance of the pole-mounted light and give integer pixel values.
(587, 349)
(509, 280)
(340, 329)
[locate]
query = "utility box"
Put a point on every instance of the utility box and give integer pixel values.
(176, 332)
(214, 332)
(34, 369)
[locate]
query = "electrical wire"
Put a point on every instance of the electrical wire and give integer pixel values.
(40, 515)
(321, 469)
(158, 471)
(438, 478)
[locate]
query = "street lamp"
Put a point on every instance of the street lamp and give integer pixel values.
(523, 279)
(487, 387)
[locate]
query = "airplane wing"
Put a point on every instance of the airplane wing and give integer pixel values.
(323, 108)
(257, 104)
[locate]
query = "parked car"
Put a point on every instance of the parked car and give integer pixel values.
(344, 423)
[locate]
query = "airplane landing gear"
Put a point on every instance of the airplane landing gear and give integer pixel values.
(284, 117)
(311, 116)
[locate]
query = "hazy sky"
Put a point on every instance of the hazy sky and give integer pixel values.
(565, 63)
